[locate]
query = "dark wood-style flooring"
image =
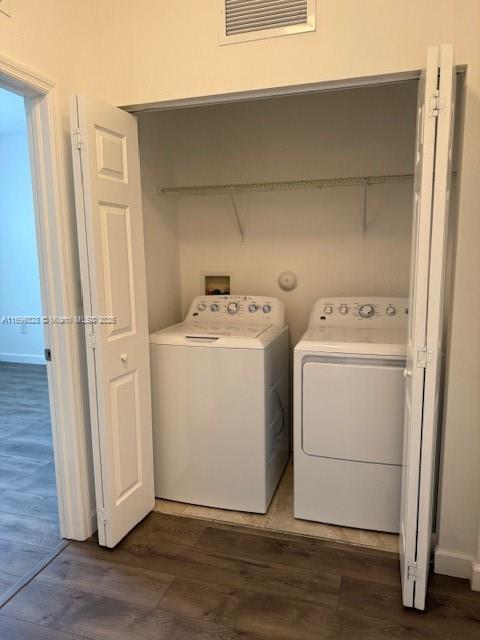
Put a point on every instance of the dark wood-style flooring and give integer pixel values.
(28, 501)
(181, 579)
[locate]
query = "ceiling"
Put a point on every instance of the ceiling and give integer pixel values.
(12, 113)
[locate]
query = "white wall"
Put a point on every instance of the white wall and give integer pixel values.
(19, 276)
(317, 234)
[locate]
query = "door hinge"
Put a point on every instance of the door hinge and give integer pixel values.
(423, 357)
(413, 572)
(102, 516)
(434, 104)
(78, 142)
(92, 339)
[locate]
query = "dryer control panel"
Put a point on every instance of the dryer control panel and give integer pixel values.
(237, 309)
(376, 312)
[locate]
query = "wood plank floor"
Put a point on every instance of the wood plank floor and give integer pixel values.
(28, 502)
(177, 578)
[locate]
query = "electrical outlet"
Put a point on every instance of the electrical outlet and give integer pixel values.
(6, 7)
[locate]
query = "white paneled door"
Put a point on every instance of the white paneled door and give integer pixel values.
(111, 243)
(433, 155)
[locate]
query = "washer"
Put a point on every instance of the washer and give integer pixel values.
(221, 403)
(348, 413)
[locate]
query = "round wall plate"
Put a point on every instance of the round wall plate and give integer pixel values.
(287, 280)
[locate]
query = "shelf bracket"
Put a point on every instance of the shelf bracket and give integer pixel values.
(237, 217)
(365, 203)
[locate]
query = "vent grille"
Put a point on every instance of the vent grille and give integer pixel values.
(247, 16)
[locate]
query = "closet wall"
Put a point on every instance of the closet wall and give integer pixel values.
(315, 233)
(160, 222)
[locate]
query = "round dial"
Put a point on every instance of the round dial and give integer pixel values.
(214, 307)
(202, 306)
(267, 308)
(328, 309)
(366, 311)
(391, 311)
(343, 309)
(232, 307)
(252, 308)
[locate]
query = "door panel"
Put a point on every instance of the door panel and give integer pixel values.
(127, 436)
(416, 337)
(110, 230)
(117, 265)
(431, 411)
(423, 372)
(111, 150)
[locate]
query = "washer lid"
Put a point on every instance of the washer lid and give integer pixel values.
(355, 340)
(211, 330)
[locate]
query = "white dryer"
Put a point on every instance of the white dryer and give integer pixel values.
(221, 403)
(348, 413)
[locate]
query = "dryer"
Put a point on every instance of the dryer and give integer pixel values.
(220, 391)
(348, 413)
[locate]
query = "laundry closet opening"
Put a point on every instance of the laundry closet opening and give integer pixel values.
(352, 239)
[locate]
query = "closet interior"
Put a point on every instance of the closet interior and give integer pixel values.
(316, 185)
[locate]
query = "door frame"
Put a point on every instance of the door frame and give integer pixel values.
(292, 90)
(275, 92)
(57, 273)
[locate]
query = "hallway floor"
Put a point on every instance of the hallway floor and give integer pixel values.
(28, 501)
(176, 578)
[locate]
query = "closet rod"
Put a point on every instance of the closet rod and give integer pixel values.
(219, 189)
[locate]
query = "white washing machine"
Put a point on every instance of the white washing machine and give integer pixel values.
(220, 390)
(348, 413)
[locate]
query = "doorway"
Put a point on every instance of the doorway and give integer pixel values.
(29, 518)
(60, 299)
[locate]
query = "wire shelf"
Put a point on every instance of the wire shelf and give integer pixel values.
(288, 185)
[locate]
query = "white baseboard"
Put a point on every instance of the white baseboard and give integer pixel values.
(475, 581)
(458, 565)
(22, 358)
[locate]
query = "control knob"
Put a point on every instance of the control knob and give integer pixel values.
(267, 308)
(343, 309)
(214, 307)
(391, 311)
(252, 308)
(202, 306)
(328, 309)
(366, 311)
(232, 308)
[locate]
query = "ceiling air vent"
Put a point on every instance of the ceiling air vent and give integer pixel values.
(242, 20)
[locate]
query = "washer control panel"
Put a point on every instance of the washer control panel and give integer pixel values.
(241, 309)
(374, 311)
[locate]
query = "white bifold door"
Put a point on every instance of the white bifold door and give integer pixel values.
(433, 166)
(111, 245)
